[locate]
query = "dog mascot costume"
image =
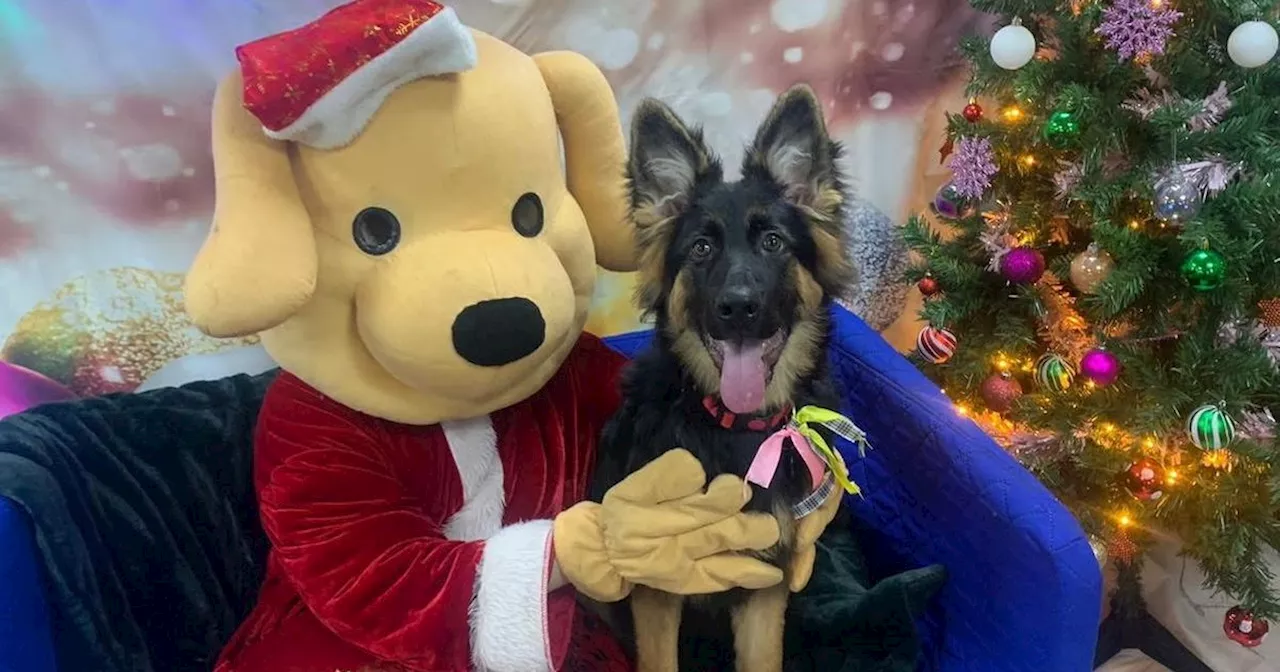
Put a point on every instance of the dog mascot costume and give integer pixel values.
(394, 217)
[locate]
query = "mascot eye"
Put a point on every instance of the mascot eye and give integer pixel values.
(376, 231)
(701, 249)
(526, 216)
(771, 242)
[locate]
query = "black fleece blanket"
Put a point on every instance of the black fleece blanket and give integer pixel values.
(146, 521)
(148, 533)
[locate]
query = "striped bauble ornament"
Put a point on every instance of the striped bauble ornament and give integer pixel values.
(1054, 373)
(936, 345)
(1210, 428)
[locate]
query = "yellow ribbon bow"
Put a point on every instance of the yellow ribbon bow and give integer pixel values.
(807, 416)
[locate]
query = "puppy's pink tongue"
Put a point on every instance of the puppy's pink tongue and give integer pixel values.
(742, 377)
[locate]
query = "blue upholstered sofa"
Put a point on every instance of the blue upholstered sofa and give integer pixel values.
(1024, 588)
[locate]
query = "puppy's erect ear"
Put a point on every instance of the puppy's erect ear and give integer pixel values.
(793, 147)
(667, 160)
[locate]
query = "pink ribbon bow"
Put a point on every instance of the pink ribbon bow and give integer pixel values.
(769, 454)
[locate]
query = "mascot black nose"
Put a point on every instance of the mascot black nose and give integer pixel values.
(498, 331)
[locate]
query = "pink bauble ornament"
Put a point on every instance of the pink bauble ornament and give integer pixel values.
(1100, 366)
(21, 389)
(1022, 265)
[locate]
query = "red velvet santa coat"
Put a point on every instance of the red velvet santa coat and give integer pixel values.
(420, 548)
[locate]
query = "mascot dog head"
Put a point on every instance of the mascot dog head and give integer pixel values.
(429, 256)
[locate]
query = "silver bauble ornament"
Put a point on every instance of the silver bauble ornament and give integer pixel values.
(1177, 199)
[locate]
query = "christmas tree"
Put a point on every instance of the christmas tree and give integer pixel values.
(1102, 273)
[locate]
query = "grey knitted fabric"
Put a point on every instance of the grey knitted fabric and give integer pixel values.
(879, 256)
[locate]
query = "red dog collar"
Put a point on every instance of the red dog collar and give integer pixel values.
(744, 422)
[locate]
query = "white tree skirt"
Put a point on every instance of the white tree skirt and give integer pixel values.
(1131, 661)
(1175, 597)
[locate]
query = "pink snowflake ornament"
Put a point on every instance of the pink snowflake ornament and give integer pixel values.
(1138, 27)
(972, 167)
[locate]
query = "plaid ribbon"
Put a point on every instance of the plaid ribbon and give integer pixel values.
(815, 499)
(804, 421)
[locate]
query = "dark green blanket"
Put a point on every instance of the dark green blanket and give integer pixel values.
(841, 622)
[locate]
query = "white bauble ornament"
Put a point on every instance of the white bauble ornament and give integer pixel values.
(1013, 46)
(1252, 44)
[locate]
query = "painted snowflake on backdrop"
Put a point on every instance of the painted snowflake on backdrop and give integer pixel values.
(15, 236)
(141, 159)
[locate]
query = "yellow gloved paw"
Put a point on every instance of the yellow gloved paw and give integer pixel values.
(661, 529)
(578, 543)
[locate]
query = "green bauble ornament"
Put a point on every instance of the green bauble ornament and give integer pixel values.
(1061, 128)
(1054, 373)
(1204, 270)
(1210, 428)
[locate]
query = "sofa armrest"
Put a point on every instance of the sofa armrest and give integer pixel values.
(26, 641)
(1024, 585)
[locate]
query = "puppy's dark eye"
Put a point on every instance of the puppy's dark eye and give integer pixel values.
(376, 231)
(772, 242)
(701, 249)
(526, 216)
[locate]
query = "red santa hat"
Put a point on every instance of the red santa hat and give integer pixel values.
(321, 83)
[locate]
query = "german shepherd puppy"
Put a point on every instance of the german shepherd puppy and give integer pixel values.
(738, 277)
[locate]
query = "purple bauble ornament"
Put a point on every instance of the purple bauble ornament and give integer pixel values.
(950, 205)
(1022, 265)
(1100, 366)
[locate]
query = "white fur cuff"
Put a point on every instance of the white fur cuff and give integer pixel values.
(509, 612)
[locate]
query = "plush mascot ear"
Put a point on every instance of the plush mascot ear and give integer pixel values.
(594, 152)
(258, 265)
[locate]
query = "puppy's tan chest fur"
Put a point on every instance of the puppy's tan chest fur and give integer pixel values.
(780, 553)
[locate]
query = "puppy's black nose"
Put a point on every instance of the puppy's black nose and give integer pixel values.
(498, 331)
(738, 307)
